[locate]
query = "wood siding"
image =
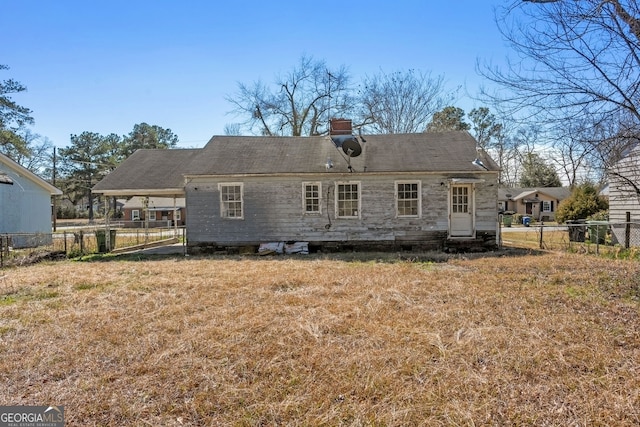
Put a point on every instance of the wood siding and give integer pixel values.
(623, 196)
(273, 211)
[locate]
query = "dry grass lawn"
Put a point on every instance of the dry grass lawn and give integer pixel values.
(548, 339)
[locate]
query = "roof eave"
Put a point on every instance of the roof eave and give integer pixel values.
(335, 172)
(161, 192)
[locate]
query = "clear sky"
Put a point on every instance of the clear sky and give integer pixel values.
(105, 65)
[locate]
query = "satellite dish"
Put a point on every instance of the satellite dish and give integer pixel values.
(352, 147)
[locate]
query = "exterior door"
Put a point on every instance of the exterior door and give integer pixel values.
(461, 211)
(529, 208)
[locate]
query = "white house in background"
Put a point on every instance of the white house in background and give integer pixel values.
(25, 204)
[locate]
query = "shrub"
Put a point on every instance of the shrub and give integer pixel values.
(583, 202)
(599, 216)
(66, 212)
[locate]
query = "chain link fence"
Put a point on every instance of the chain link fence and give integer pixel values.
(587, 236)
(18, 248)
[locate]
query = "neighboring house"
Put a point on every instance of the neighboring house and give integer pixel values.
(404, 191)
(25, 205)
(624, 194)
(539, 203)
(153, 212)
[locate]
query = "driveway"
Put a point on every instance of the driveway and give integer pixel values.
(174, 249)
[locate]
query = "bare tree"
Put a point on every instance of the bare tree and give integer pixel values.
(506, 154)
(401, 102)
(576, 158)
(299, 103)
(578, 66)
(577, 59)
(34, 152)
(233, 129)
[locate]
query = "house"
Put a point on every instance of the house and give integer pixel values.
(538, 203)
(153, 212)
(25, 205)
(624, 196)
(401, 191)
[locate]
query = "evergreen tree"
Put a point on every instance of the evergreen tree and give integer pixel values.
(450, 118)
(537, 173)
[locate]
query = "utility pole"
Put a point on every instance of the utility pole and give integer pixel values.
(55, 199)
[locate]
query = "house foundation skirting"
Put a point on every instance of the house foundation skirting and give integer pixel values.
(437, 242)
(484, 240)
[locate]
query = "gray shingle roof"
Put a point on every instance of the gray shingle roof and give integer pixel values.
(446, 151)
(230, 155)
(559, 193)
(148, 170)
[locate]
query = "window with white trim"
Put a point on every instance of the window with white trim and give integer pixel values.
(408, 199)
(152, 215)
(135, 215)
(311, 197)
(231, 200)
(348, 200)
(547, 206)
(460, 199)
(178, 214)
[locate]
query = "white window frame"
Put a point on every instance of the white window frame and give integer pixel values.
(152, 215)
(178, 214)
(306, 198)
(546, 206)
(224, 204)
(418, 200)
(135, 214)
(337, 199)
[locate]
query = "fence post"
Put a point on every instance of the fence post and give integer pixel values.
(541, 228)
(627, 231)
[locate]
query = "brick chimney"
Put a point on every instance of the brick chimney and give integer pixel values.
(341, 127)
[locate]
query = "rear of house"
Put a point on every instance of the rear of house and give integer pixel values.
(413, 191)
(335, 192)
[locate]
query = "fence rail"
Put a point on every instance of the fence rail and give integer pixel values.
(594, 236)
(81, 241)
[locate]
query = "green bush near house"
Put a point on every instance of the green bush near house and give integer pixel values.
(583, 203)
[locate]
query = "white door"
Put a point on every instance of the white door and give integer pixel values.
(461, 211)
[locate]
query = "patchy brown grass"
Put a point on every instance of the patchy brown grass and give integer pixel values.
(551, 339)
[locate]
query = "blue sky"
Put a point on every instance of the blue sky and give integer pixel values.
(103, 66)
